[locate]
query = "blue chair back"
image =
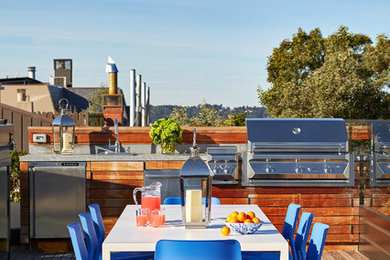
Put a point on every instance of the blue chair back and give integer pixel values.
(177, 201)
(90, 236)
(200, 249)
(101, 233)
(289, 226)
(77, 239)
(317, 241)
(98, 222)
(303, 234)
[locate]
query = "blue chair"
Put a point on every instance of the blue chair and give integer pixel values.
(303, 234)
(77, 239)
(195, 250)
(317, 241)
(90, 235)
(288, 231)
(177, 201)
(95, 217)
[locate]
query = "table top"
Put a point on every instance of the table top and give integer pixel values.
(126, 236)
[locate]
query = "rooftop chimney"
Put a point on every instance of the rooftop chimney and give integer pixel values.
(113, 76)
(31, 72)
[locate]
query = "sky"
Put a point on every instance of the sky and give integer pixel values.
(187, 51)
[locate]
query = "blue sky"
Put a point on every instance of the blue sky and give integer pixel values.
(186, 51)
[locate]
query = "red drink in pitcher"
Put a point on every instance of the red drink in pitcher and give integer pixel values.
(150, 196)
(151, 203)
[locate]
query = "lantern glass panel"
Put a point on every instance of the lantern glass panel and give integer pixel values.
(196, 201)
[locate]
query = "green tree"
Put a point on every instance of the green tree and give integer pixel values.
(208, 116)
(342, 75)
(15, 175)
(236, 120)
(180, 115)
(96, 100)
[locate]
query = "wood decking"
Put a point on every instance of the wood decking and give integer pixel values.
(343, 255)
(35, 255)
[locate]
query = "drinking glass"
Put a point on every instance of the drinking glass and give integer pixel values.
(142, 216)
(157, 218)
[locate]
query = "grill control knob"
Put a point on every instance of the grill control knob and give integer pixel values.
(226, 171)
(328, 170)
(269, 169)
(217, 170)
(298, 170)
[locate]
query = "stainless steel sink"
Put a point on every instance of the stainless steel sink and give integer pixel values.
(107, 153)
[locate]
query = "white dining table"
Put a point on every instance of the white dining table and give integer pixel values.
(126, 236)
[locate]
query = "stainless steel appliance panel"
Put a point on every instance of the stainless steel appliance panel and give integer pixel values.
(57, 196)
(297, 152)
(380, 170)
(223, 162)
(6, 145)
(4, 211)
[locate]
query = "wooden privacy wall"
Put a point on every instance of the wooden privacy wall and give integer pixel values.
(140, 135)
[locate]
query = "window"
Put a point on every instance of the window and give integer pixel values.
(21, 95)
(63, 64)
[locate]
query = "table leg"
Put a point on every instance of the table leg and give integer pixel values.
(106, 254)
(284, 253)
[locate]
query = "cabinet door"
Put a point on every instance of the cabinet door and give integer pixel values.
(58, 197)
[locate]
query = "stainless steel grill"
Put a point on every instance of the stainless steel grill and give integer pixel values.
(223, 161)
(297, 152)
(380, 172)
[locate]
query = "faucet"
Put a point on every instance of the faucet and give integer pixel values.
(117, 145)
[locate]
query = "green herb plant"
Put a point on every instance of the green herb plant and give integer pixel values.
(166, 131)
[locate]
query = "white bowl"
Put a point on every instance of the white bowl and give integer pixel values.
(244, 228)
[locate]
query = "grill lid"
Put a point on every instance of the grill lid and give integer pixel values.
(296, 135)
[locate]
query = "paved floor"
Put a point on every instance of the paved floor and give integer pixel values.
(19, 254)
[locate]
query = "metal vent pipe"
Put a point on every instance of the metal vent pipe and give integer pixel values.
(31, 72)
(138, 100)
(148, 107)
(132, 97)
(143, 104)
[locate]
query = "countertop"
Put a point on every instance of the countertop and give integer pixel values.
(104, 157)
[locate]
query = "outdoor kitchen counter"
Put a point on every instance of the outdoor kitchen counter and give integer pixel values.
(105, 158)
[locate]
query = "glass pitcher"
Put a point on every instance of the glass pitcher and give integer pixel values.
(150, 196)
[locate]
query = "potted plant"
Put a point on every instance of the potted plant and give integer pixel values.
(167, 132)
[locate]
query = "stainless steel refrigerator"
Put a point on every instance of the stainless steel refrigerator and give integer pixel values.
(5, 161)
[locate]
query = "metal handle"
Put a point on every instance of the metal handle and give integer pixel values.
(194, 140)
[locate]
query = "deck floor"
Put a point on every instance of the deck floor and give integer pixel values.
(19, 254)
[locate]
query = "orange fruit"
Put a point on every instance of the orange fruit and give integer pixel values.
(241, 216)
(250, 214)
(234, 220)
(248, 220)
(234, 214)
(256, 220)
(225, 231)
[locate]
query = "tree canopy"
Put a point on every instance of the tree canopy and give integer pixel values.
(343, 75)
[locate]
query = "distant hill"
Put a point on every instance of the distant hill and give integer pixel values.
(157, 112)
